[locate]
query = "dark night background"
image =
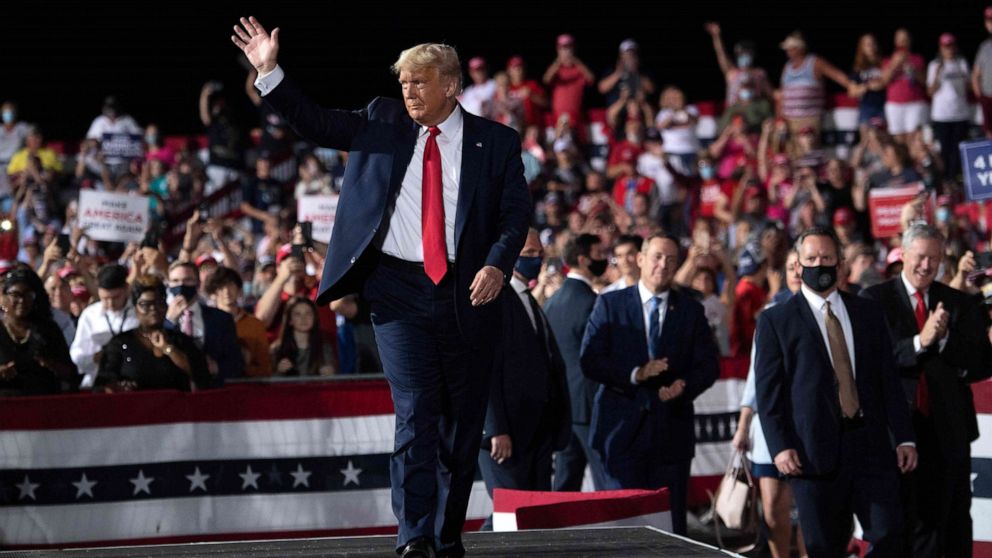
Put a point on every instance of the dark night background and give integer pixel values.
(60, 59)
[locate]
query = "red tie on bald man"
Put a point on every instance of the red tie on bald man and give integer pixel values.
(432, 212)
(922, 392)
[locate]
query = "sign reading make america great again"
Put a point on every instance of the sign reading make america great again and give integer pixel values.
(113, 217)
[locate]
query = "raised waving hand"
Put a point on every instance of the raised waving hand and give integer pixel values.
(259, 46)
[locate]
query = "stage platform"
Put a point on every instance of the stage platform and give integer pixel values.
(628, 542)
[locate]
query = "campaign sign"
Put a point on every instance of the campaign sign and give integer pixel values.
(885, 206)
(113, 217)
(122, 146)
(976, 165)
(320, 211)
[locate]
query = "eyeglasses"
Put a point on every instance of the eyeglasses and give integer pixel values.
(20, 295)
(146, 305)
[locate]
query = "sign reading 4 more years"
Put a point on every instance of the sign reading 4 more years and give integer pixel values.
(113, 217)
(976, 164)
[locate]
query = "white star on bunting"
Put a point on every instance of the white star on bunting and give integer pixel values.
(197, 480)
(142, 483)
(84, 487)
(300, 476)
(27, 488)
(351, 474)
(249, 478)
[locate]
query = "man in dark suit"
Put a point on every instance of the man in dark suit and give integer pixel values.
(213, 330)
(528, 415)
(652, 350)
(432, 214)
(568, 313)
(830, 400)
(938, 335)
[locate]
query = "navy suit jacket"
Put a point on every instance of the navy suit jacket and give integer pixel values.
(966, 358)
(568, 313)
(526, 384)
(493, 210)
(615, 342)
(220, 342)
(797, 386)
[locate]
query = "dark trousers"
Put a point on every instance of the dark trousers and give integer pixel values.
(527, 468)
(570, 463)
(826, 504)
(950, 134)
(937, 498)
(649, 471)
(439, 387)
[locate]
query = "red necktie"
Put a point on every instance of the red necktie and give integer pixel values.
(432, 211)
(922, 392)
(186, 322)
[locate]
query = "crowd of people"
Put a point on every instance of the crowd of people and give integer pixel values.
(711, 220)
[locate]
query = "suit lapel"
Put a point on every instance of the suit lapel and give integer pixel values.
(672, 314)
(471, 167)
(908, 306)
(635, 314)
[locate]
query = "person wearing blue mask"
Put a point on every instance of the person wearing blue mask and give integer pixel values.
(528, 416)
(740, 73)
(12, 137)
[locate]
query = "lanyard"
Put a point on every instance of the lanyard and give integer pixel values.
(123, 319)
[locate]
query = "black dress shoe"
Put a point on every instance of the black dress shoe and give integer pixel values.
(418, 548)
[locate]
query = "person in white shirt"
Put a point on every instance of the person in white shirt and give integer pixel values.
(101, 321)
(12, 136)
(482, 90)
(950, 113)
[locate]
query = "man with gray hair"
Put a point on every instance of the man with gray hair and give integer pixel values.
(433, 213)
(940, 348)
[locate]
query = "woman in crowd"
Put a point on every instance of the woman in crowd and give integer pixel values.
(300, 349)
(740, 74)
(905, 95)
(776, 494)
(950, 113)
(34, 355)
(867, 74)
(224, 287)
(151, 356)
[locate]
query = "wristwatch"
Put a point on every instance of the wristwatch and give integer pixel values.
(167, 350)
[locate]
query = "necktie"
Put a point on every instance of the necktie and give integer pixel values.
(186, 323)
(847, 390)
(432, 211)
(922, 390)
(539, 325)
(654, 327)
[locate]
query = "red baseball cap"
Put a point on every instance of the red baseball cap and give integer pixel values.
(284, 251)
(565, 40)
(6, 265)
(947, 39)
(205, 258)
(514, 62)
(477, 63)
(843, 216)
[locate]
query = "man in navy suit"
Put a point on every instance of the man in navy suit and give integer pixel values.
(528, 416)
(653, 351)
(831, 406)
(432, 214)
(213, 330)
(568, 313)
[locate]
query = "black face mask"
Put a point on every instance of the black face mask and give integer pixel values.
(597, 267)
(185, 291)
(820, 278)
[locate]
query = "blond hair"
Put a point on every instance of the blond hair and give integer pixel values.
(431, 55)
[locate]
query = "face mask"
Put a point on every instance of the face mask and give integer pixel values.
(746, 94)
(744, 61)
(820, 278)
(528, 266)
(8, 117)
(597, 267)
(150, 139)
(706, 173)
(943, 214)
(185, 291)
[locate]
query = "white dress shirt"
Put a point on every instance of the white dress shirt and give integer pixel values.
(818, 305)
(94, 329)
(521, 289)
(404, 238)
(646, 297)
(911, 291)
(198, 329)
(475, 96)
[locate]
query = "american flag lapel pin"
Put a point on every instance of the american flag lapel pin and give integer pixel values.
(478, 144)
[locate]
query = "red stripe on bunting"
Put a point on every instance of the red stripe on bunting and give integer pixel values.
(236, 403)
(983, 397)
